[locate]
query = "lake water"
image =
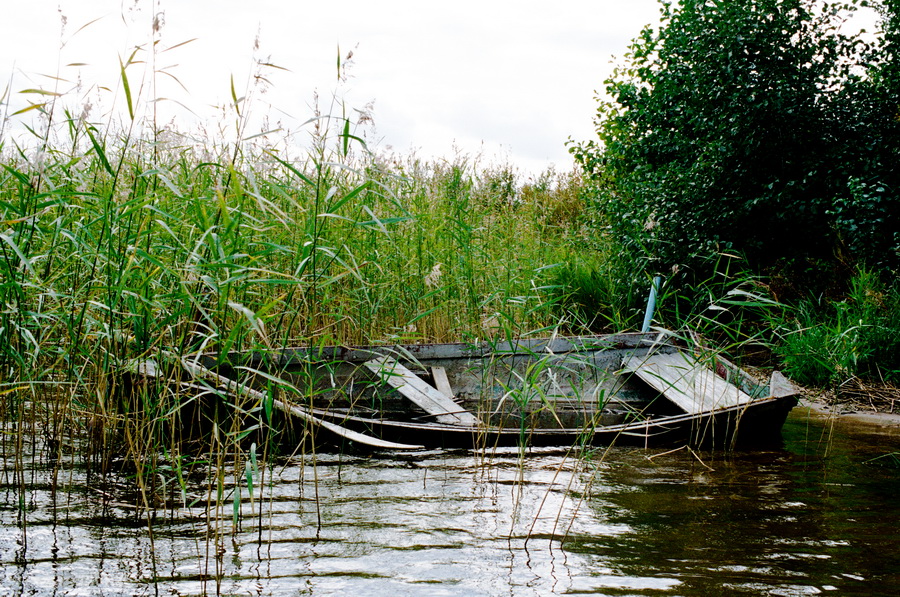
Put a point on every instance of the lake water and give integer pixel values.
(816, 517)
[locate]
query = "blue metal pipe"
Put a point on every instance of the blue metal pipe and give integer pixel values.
(651, 304)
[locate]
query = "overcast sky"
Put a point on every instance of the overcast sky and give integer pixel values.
(513, 79)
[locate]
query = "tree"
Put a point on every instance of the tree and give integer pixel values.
(752, 125)
(867, 112)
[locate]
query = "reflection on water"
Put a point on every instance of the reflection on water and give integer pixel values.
(809, 519)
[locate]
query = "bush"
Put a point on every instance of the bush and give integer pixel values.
(755, 126)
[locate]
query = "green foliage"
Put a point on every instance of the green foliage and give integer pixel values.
(593, 298)
(751, 125)
(826, 343)
(731, 307)
(115, 248)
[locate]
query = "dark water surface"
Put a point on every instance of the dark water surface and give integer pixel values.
(811, 518)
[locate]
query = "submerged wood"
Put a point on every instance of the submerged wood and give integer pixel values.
(558, 391)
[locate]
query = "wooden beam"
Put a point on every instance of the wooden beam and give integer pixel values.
(426, 397)
(439, 374)
(688, 383)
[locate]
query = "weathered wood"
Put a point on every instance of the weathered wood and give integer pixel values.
(199, 371)
(299, 356)
(441, 382)
(688, 383)
(781, 387)
(583, 397)
(426, 397)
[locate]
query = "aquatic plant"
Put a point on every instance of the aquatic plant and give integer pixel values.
(129, 245)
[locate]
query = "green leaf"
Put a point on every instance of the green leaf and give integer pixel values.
(127, 89)
(346, 137)
(99, 151)
(28, 109)
(248, 474)
(234, 98)
(268, 403)
(18, 251)
(350, 195)
(303, 177)
(21, 177)
(41, 92)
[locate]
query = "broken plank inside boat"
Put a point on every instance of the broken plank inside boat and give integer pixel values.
(688, 382)
(640, 389)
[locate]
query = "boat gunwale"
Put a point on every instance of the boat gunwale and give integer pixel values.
(286, 357)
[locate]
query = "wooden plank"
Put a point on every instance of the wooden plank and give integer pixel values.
(780, 386)
(428, 398)
(197, 370)
(689, 384)
(299, 356)
(441, 382)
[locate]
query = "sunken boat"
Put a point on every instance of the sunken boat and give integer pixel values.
(645, 389)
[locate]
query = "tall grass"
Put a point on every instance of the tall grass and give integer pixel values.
(122, 242)
(827, 343)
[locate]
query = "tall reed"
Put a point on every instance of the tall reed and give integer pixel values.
(127, 240)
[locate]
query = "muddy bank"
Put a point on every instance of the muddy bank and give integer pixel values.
(850, 417)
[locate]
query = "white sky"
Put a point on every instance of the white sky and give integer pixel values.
(512, 80)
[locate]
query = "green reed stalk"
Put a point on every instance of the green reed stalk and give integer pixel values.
(122, 242)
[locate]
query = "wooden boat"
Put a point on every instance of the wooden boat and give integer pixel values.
(642, 389)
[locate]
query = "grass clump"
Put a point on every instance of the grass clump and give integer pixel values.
(825, 343)
(590, 298)
(120, 244)
(124, 239)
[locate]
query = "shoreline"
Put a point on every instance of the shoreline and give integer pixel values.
(849, 417)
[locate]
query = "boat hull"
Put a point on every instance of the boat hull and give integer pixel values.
(557, 392)
(757, 425)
